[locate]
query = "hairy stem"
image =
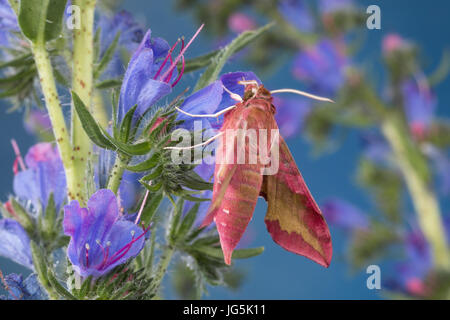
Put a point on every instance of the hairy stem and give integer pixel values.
(53, 105)
(161, 270)
(83, 60)
(424, 200)
(117, 171)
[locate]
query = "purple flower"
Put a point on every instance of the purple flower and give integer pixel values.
(332, 6)
(100, 239)
(322, 66)
(8, 23)
(141, 85)
(214, 98)
(19, 289)
(345, 215)
(419, 105)
(37, 122)
(376, 149)
(44, 175)
(291, 115)
(15, 244)
(131, 35)
(297, 13)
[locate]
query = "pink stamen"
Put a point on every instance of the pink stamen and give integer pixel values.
(167, 79)
(122, 252)
(181, 72)
(174, 64)
(142, 207)
(19, 158)
(169, 55)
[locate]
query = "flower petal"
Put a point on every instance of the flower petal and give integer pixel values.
(15, 243)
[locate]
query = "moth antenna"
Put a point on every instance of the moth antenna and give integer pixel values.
(197, 145)
(302, 93)
(214, 115)
(246, 82)
(233, 95)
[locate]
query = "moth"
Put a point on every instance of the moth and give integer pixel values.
(293, 218)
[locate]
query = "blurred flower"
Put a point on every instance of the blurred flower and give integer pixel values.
(323, 66)
(345, 215)
(38, 122)
(291, 115)
(393, 42)
(44, 175)
(15, 244)
(100, 239)
(441, 164)
(131, 35)
(332, 6)
(19, 289)
(297, 13)
(376, 149)
(239, 22)
(419, 105)
(8, 23)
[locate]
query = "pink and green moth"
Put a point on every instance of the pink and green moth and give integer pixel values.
(293, 218)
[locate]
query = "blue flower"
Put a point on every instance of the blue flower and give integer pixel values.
(323, 67)
(131, 35)
(19, 289)
(419, 105)
(15, 244)
(100, 239)
(8, 23)
(332, 6)
(376, 149)
(141, 84)
(44, 175)
(297, 13)
(345, 215)
(291, 115)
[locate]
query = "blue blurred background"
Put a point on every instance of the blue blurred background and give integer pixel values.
(277, 274)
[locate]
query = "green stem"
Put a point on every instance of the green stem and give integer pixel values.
(53, 105)
(117, 173)
(424, 200)
(83, 60)
(164, 262)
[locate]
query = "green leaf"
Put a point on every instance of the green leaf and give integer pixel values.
(148, 164)
(58, 287)
(150, 209)
(154, 175)
(237, 254)
(41, 20)
(217, 64)
(199, 62)
(193, 181)
(135, 149)
(22, 216)
(90, 126)
(108, 84)
(125, 127)
(188, 221)
(151, 187)
(18, 62)
(109, 53)
(49, 221)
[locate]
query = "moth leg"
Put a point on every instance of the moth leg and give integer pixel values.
(233, 95)
(214, 115)
(197, 145)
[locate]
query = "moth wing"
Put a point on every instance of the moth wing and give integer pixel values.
(293, 218)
